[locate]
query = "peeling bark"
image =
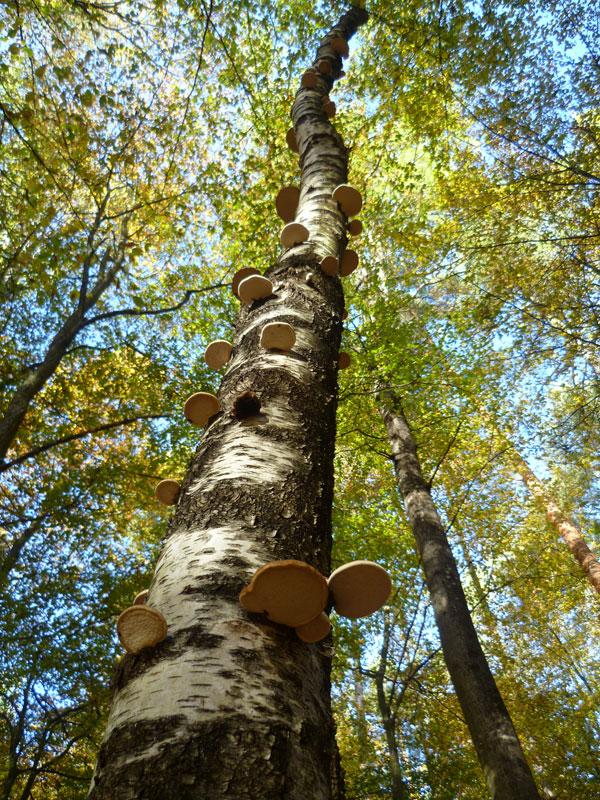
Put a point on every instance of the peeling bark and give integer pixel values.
(505, 767)
(231, 705)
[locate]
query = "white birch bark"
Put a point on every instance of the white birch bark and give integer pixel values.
(231, 705)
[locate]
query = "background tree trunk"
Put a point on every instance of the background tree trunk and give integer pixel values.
(362, 731)
(400, 789)
(506, 771)
(565, 526)
(230, 704)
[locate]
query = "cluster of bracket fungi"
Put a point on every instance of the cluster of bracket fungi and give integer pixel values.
(295, 594)
(290, 592)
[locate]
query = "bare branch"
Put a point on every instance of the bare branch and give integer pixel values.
(146, 312)
(75, 436)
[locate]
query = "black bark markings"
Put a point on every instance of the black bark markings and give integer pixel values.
(235, 756)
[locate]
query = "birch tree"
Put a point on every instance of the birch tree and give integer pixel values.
(422, 66)
(230, 704)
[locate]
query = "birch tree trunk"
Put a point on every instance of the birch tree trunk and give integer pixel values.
(506, 771)
(231, 705)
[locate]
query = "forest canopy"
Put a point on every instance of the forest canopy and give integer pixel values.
(141, 149)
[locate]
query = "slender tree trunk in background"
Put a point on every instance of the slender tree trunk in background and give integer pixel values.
(554, 514)
(13, 745)
(231, 705)
(361, 718)
(400, 790)
(482, 605)
(506, 771)
(565, 526)
(12, 773)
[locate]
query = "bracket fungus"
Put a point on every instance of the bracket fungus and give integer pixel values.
(200, 407)
(344, 314)
(218, 353)
(254, 287)
(286, 202)
(343, 360)
(329, 265)
(289, 592)
(167, 492)
(278, 336)
(355, 227)
(349, 199)
(309, 80)
(315, 630)
(329, 109)
(293, 233)
(140, 626)
(141, 598)
(290, 138)
(359, 588)
(349, 263)
(340, 46)
(239, 276)
(324, 66)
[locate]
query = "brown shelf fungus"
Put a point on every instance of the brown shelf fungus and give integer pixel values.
(289, 592)
(355, 227)
(167, 492)
(315, 630)
(324, 66)
(290, 138)
(329, 265)
(218, 353)
(141, 598)
(343, 360)
(239, 276)
(309, 80)
(293, 233)
(200, 407)
(140, 626)
(329, 110)
(340, 46)
(344, 314)
(254, 287)
(359, 588)
(286, 202)
(278, 336)
(349, 263)
(349, 199)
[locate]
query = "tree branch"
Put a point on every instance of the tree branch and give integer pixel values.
(146, 312)
(74, 436)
